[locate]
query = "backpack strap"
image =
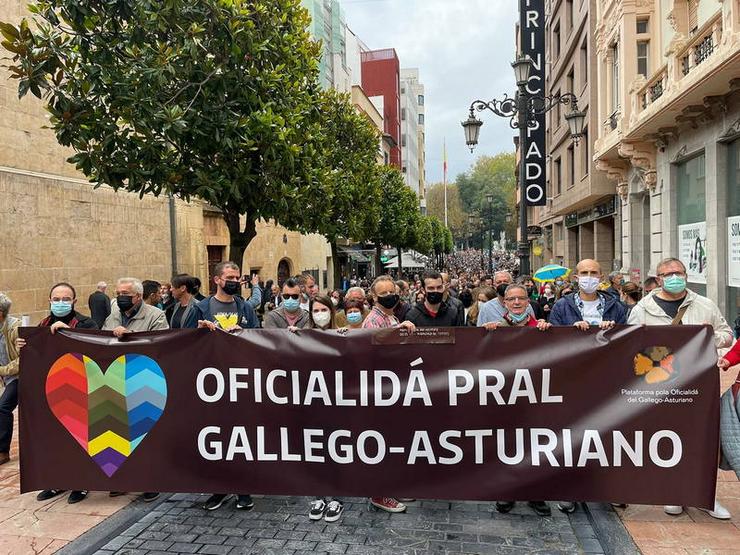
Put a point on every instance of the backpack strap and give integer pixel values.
(677, 321)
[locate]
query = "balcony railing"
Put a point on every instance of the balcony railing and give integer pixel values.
(697, 50)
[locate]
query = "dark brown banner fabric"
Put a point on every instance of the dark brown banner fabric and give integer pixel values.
(629, 415)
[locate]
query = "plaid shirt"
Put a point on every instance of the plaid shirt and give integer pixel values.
(378, 319)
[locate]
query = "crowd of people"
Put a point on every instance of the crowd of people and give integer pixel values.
(463, 295)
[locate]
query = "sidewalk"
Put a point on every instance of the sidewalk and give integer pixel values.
(29, 526)
(694, 532)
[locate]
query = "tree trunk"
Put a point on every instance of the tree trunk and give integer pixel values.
(337, 270)
(378, 263)
(239, 238)
(400, 263)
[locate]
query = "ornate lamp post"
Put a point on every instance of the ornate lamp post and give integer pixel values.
(489, 200)
(522, 111)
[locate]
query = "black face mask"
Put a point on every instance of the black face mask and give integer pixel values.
(389, 301)
(434, 297)
(501, 289)
(232, 287)
(125, 302)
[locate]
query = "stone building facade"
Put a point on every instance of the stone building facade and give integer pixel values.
(579, 218)
(669, 103)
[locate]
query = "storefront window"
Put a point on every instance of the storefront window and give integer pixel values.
(733, 233)
(692, 229)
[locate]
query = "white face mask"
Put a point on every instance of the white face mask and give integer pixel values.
(588, 285)
(334, 301)
(322, 319)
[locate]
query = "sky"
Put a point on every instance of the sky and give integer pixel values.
(463, 49)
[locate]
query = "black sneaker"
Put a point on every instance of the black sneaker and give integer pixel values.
(48, 494)
(504, 506)
(333, 511)
(116, 493)
(318, 507)
(149, 496)
(244, 502)
(540, 507)
(215, 501)
(76, 497)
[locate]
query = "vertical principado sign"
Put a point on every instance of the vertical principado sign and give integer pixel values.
(532, 44)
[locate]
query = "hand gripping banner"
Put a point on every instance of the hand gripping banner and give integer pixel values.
(628, 415)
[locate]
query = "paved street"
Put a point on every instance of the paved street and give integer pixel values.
(281, 525)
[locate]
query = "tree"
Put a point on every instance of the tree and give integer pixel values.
(399, 211)
(491, 175)
(215, 99)
(457, 216)
(350, 193)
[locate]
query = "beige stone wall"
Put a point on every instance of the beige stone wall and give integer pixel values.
(61, 229)
(272, 244)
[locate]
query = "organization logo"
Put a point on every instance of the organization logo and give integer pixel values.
(109, 414)
(656, 364)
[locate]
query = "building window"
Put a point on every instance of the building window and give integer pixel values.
(568, 16)
(403, 114)
(642, 57)
(557, 112)
(584, 62)
(733, 210)
(403, 169)
(571, 166)
(421, 100)
(615, 77)
(691, 209)
(642, 26)
(571, 80)
(558, 176)
(556, 41)
(421, 119)
(403, 89)
(403, 139)
(586, 154)
(693, 16)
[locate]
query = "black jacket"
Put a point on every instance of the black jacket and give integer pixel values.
(448, 316)
(99, 304)
(82, 321)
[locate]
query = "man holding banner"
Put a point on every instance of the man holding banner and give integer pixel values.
(674, 305)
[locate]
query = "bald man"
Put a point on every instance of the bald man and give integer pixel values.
(585, 309)
(589, 307)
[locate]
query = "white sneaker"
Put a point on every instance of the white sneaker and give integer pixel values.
(674, 510)
(718, 512)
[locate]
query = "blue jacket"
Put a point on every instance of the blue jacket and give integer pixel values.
(202, 311)
(565, 312)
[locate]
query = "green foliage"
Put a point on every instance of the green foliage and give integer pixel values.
(350, 191)
(216, 99)
(399, 210)
(449, 243)
(425, 237)
(494, 175)
(457, 217)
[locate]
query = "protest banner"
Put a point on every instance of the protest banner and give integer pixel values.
(628, 415)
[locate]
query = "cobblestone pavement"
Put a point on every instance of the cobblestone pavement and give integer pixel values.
(280, 525)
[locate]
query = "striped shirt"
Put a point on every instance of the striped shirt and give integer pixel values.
(378, 319)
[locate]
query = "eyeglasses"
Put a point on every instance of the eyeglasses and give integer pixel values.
(672, 274)
(294, 296)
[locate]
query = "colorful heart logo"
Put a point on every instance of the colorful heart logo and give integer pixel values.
(109, 414)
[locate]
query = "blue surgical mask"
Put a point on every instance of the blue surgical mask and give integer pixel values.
(674, 284)
(291, 305)
(354, 317)
(60, 309)
(518, 318)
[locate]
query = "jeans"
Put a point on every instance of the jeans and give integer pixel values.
(8, 403)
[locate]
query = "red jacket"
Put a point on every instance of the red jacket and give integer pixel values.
(734, 354)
